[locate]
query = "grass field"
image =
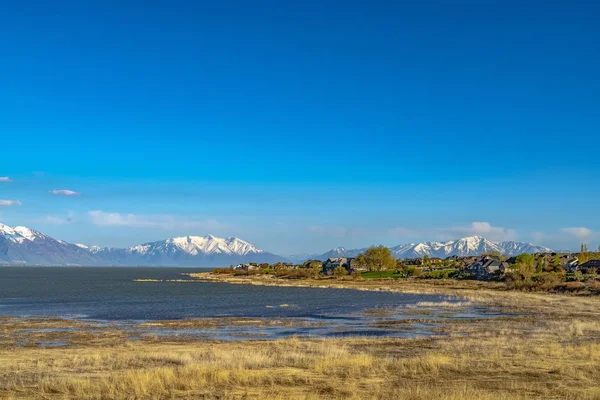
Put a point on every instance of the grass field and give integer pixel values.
(550, 350)
(381, 274)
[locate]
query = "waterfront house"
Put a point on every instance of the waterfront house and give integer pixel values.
(246, 267)
(487, 265)
(332, 263)
(587, 266)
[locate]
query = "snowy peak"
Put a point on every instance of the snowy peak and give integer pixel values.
(20, 234)
(21, 246)
(467, 246)
(197, 245)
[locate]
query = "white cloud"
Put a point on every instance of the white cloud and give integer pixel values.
(484, 229)
(101, 218)
(489, 232)
(579, 232)
(5, 179)
(6, 203)
(51, 219)
(65, 192)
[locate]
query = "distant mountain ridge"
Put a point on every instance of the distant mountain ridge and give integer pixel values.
(467, 246)
(25, 246)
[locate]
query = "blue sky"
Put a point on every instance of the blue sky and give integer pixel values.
(302, 126)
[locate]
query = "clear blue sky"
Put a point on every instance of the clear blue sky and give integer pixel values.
(301, 126)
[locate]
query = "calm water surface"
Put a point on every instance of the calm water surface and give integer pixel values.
(110, 294)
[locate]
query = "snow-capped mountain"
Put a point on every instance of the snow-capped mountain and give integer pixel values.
(198, 251)
(20, 245)
(468, 246)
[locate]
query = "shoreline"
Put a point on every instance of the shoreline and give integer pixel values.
(550, 350)
(488, 293)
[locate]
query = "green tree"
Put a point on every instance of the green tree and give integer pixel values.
(556, 263)
(340, 271)
(525, 266)
(377, 259)
(315, 266)
(584, 256)
(426, 260)
(540, 265)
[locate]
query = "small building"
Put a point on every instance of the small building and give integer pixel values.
(246, 267)
(332, 263)
(587, 266)
(487, 265)
(572, 265)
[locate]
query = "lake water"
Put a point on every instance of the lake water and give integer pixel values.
(110, 294)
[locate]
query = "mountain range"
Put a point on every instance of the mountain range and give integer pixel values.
(24, 246)
(468, 246)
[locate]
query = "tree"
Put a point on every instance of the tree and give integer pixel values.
(340, 271)
(315, 266)
(556, 264)
(525, 266)
(361, 260)
(426, 260)
(376, 259)
(540, 265)
(584, 256)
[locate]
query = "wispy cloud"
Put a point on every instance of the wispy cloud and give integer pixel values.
(5, 179)
(65, 192)
(49, 219)
(167, 222)
(52, 219)
(579, 232)
(6, 203)
(484, 229)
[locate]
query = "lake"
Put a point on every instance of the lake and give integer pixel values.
(107, 294)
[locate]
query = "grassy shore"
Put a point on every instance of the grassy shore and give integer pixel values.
(550, 350)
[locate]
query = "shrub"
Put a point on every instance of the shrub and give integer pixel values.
(438, 274)
(219, 271)
(340, 271)
(293, 273)
(410, 270)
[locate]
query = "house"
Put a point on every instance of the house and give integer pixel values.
(572, 265)
(246, 267)
(487, 265)
(332, 263)
(589, 265)
(435, 260)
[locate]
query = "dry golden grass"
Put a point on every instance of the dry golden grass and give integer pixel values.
(553, 352)
(511, 359)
